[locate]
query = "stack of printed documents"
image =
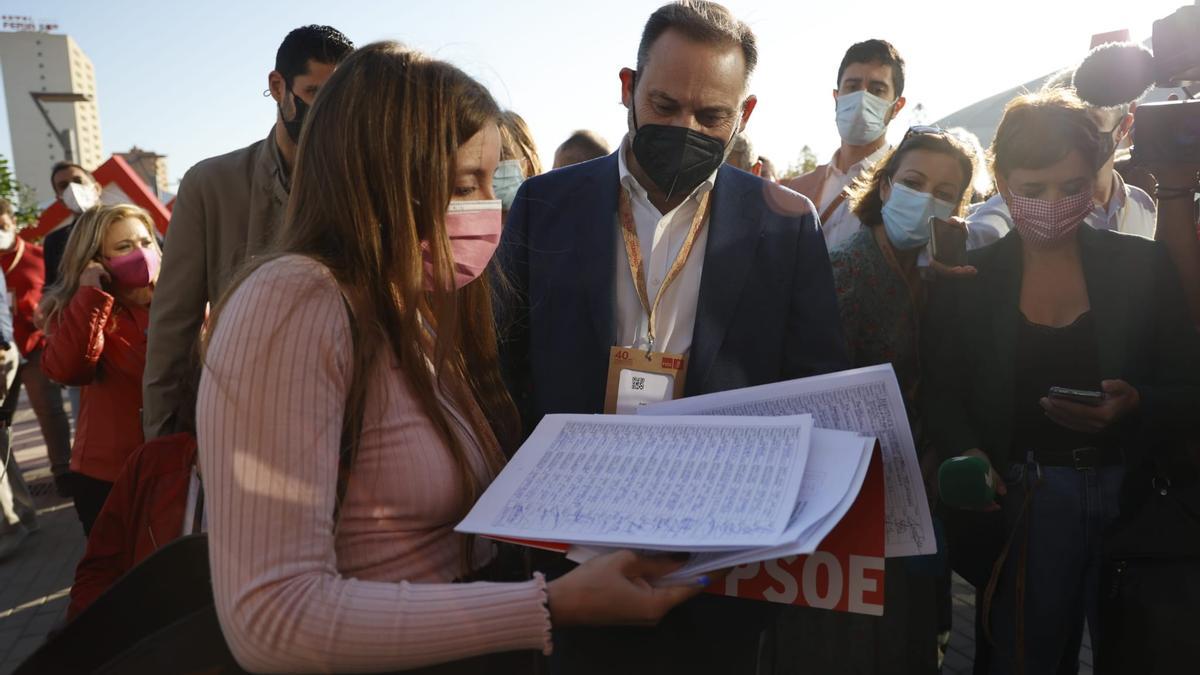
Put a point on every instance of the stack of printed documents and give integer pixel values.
(733, 478)
(730, 490)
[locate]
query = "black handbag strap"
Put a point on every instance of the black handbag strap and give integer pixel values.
(1020, 528)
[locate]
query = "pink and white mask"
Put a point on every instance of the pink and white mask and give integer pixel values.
(1041, 223)
(136, 269)
(473, 228)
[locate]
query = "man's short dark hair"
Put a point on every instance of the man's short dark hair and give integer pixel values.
(584, 144)
(875, 51)
(323, 44)
(703, 22)
(64, 165)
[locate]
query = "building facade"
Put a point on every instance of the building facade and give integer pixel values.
(35, 61)
(150, 166)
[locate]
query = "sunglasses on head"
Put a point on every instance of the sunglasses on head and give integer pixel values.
(923, 130)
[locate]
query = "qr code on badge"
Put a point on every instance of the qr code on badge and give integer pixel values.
(639, 383)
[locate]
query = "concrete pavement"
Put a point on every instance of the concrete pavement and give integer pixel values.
(35, 580)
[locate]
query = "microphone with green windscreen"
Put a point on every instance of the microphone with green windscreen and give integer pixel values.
(966, 483)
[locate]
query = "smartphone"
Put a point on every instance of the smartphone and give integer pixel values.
(949, 243)
(1084, 396)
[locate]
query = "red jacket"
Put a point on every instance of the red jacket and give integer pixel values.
(100, 344)
(25, 273)
(144, 512)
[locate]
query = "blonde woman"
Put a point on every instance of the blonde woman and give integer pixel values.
(95, 319)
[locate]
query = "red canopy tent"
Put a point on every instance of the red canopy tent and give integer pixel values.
(119, 183)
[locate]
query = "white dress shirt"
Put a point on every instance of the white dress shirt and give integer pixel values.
(661, 237)
(842, 223)
(1130, 211)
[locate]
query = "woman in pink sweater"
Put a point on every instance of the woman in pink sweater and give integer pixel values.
(366, 340)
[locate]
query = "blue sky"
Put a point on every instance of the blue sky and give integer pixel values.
(186, 79)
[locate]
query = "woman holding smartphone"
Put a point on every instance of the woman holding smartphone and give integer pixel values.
(1057, 305)
(881, 299)
(96, 316)
(351, 408)
(881, 294)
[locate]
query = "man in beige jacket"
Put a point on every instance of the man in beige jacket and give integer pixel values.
(226, 211)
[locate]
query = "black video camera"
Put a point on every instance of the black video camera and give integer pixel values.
(1169, 132)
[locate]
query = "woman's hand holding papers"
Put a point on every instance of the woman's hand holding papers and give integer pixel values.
(617, 589)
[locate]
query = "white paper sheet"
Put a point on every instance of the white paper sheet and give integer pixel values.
(834, 460)
(837, 466)
(821, 527)
(826, 506)
(663, 483)
(866, 400)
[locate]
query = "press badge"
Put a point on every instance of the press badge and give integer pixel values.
(636, 378)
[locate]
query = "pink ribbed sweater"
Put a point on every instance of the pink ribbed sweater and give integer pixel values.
(290, 595)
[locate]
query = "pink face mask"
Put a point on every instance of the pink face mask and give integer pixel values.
(1041, 223)
(135, 269)
(474, 231)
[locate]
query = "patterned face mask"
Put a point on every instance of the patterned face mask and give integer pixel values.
(1041, 223)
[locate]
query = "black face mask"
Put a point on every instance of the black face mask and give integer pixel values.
(677, 159)
(1109, 143)
(294, 126)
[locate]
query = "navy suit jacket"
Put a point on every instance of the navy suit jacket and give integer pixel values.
(766, 310)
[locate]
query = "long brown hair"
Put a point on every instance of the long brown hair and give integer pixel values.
(84, 246)
(373, 178)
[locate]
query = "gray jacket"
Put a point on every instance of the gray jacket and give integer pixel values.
(225, 212)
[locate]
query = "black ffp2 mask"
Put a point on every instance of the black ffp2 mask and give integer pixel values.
(677, 159)
(294, 125)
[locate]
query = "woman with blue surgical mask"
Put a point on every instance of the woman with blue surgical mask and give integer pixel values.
(881, 297)
(518, 159)
(878, 279)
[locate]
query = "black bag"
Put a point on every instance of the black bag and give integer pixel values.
(157, 618)
(973, 540)
(1150, 589)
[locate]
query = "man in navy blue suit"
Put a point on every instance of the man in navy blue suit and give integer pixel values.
(660, 250)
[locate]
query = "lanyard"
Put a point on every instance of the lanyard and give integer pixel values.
(916, 291)
(633, 253)
(916, 294)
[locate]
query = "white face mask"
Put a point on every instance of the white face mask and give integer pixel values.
(7, 239)
(80, 198)
(862, 117)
